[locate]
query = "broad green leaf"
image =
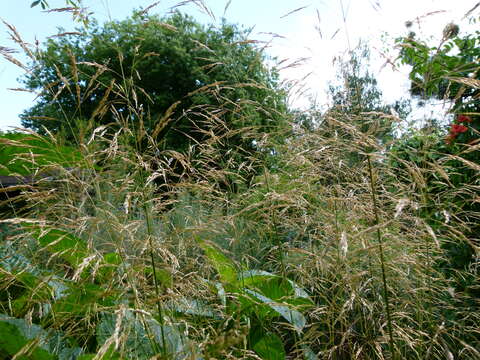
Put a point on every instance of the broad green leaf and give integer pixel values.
(271, 285)
(82, 298)
(36, 290)
(249, 305)
(110, 263)
(270, 347)
(17, 333)
(63, 244)
(28, 284)
(145, 336)
(14, 336)
(224, 266)
(24, 154)
(294, 317)
(194, 307)
(164, 277)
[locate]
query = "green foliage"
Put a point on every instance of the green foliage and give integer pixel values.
(270, 347)
(63, 244)
(224, 266)
(18, 336)
(144, 335)
(287, 267)
(176, 70)
(447, 185)
(448, 70)
(42, 3)
(261, 296)
(24, 154)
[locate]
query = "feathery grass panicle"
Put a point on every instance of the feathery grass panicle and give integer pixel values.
(314, 245)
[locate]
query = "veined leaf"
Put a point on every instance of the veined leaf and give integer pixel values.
(39, 286)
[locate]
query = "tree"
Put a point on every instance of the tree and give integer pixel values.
(167, 76)
(359, 93)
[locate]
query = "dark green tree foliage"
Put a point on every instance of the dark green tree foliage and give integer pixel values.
(151, 63)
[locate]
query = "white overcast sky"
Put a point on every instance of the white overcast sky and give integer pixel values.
(317, 32)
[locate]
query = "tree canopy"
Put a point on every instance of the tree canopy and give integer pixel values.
(169, 70)
(357, 92)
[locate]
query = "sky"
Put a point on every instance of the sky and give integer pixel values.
(306, 35)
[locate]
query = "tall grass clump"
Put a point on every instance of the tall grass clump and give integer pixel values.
(313, 243)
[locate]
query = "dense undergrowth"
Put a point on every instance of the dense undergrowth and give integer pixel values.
(335, 246)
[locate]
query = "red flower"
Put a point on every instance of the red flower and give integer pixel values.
(464, 118)
(458, 129)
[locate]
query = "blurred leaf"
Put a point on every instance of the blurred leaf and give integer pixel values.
(110, 263)
(308, 353)
(59, 242)
(270, 347)
(194, 307)
(164, 276)
(144, 336)
(24, 154)
(224, 266)
(294, 317)
(17, 333)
